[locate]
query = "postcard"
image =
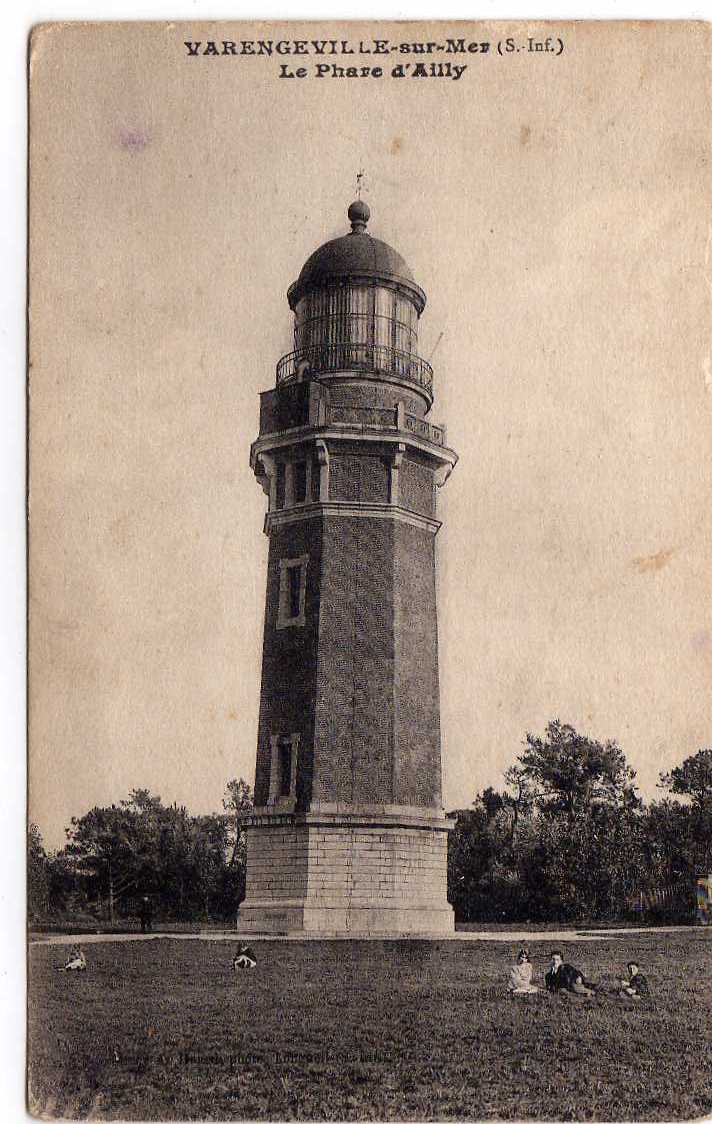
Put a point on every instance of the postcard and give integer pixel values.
(370, 636)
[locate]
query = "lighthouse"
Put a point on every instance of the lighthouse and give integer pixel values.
(348, 833)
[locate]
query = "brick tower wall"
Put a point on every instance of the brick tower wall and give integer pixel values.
(416, 714)
(353, 733)
(348, 400)
(289, 660)
(359, 680)
(377, 724)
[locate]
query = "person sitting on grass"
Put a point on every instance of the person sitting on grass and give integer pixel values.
(635, 984)
(520, 976)
(245, 958)
(565, 978)
(76, 961)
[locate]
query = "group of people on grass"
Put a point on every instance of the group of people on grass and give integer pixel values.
(77, 961)
(561, 977)
(566, 979)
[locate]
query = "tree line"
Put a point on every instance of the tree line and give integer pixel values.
(192, 868)
(567, 837)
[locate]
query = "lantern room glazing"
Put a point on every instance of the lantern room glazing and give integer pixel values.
(356, 307)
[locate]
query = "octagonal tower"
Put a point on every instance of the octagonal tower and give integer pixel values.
(348, 832)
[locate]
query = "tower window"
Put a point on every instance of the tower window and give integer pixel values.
(300, 481)
(292, 591)
(279, 490)
(284, 760)
(283, 769)
(294, 582)
(315, 480)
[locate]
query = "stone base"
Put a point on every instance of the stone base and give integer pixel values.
(347, 870)
(266, 917)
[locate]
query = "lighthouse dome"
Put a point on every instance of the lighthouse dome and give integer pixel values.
(356, 308)
(356, 256)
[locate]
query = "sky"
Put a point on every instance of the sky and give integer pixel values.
(554, 211)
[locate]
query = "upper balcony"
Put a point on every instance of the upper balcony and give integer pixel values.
(367, 358)
(313, 405)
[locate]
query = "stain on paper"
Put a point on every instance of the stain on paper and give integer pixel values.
(653, 562)
(133, 140)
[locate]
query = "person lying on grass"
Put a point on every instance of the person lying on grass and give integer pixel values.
(245, 958)
(520, 975)
(635, 983)
(76, 961)
(563, 977)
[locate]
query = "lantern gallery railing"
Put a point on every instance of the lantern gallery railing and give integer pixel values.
(370, 357)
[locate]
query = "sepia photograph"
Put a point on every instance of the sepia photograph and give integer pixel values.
(370, 543)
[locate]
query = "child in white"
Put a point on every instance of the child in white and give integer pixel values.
(520, 975)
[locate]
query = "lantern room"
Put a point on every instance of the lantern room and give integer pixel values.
(356, 309)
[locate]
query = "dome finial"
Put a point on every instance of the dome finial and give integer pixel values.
(358, 212)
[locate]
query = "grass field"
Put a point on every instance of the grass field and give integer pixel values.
(347, 1030)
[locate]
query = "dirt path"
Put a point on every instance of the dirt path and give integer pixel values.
(514, 936)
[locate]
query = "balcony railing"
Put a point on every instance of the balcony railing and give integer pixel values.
(423, 428)
(371, 357)
(383, 418)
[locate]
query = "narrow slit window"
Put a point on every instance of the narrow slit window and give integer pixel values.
(279, 493)
(294, 576)
(300, 481)
(284, 755)
(284, 759)
(315, 477)
(291, 609)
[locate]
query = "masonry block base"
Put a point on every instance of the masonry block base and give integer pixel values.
(356, 871)
(265, 917)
